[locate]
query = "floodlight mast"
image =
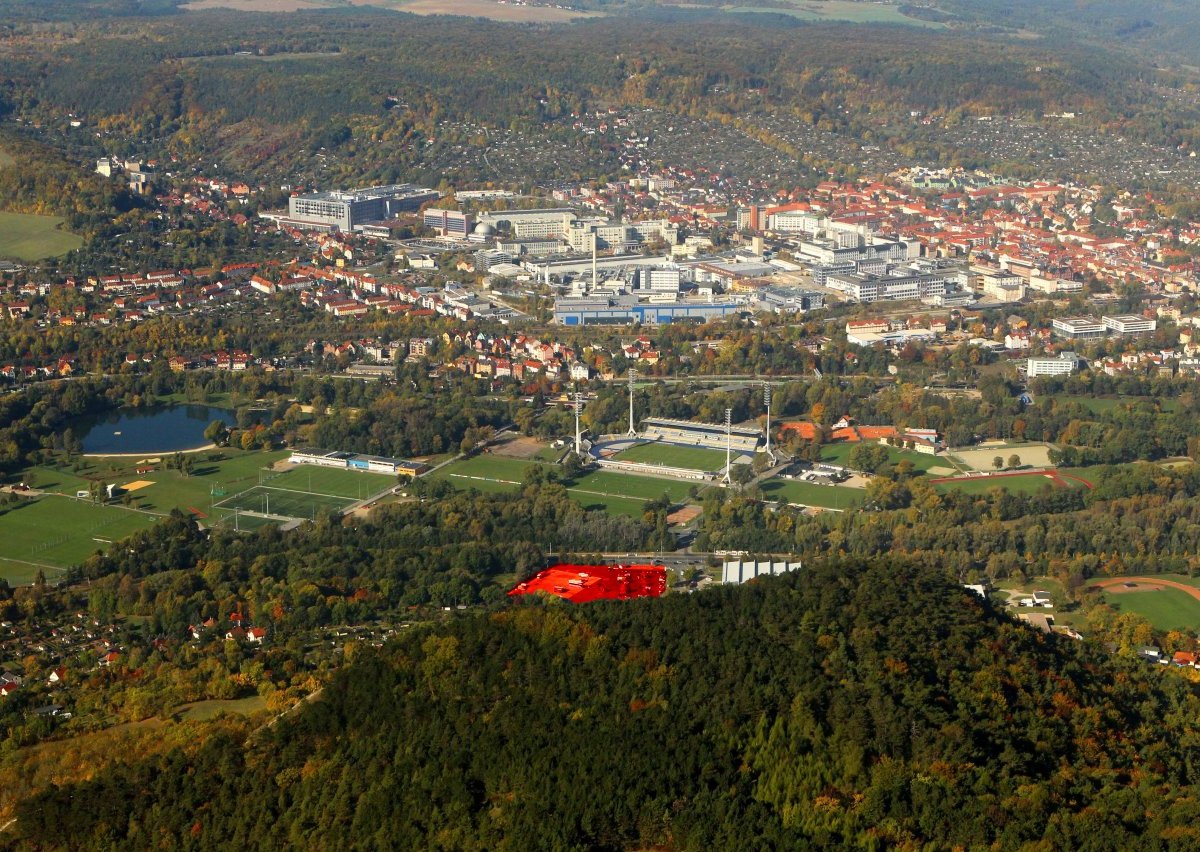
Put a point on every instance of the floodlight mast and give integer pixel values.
(633, 374)
(578, 433)
(767, 402)
(728, 479)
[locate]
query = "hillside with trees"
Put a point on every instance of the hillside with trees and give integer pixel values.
(825, 708)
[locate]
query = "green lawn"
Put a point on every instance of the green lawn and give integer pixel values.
(1166, 609)
(1029, 484)
(232, 472)
(28, 237)
(62, 531)
(811, 494)
(631, 485)
(486, 472)
(202, 711)
(672, 455)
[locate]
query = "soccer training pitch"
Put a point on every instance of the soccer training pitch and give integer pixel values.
(58, 532)
(674, 455)
(304, 492)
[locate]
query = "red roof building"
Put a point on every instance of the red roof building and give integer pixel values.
(584, 583)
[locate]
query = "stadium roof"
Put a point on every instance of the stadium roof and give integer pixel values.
(696, 426)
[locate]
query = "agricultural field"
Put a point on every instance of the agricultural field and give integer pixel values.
(673, 455)
(811, 494)
(29, 237)
(852, 11)
(471, 8)
(58, 532)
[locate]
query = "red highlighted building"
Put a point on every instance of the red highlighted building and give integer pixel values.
(583, 583)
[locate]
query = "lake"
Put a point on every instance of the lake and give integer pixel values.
(153, 430)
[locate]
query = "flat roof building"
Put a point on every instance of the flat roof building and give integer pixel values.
(344, 211)
(1129, 324)
(1079, 328)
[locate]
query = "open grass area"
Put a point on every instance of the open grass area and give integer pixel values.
(61, 531)
(29, 237)
(811, 494)
(673, 455)
(631, 485)
(1165, 608)
(304, 492)
(6, 159)
(1030, 483)
(202, 711)
(490, 473)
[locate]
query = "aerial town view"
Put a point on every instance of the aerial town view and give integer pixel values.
(605, 425)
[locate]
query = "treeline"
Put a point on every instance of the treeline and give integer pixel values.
(1139, 518)
(849, 704)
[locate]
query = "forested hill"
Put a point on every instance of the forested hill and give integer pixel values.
(875, 706)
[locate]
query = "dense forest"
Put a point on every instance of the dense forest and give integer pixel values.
(825, 708)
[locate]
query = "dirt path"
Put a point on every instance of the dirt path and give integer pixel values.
(1149, 581)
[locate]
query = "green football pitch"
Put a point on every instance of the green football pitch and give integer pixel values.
(58, 532)
(673, 455)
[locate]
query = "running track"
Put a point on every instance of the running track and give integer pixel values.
(1057, 477)
(1149, 581)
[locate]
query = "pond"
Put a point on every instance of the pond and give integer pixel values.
(152, 430)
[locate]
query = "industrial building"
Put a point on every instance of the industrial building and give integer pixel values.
(739, 571)
(627, 308)
(345, 211)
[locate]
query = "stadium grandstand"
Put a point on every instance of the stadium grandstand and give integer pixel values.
(742, 439)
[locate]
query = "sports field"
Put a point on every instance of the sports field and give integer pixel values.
(59, 532)
(1165, 608)
(673, 455)
(614, 491)
(1033, 455)
(304, 491)
(1028, 483)
(811, 494)
(28, 237)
